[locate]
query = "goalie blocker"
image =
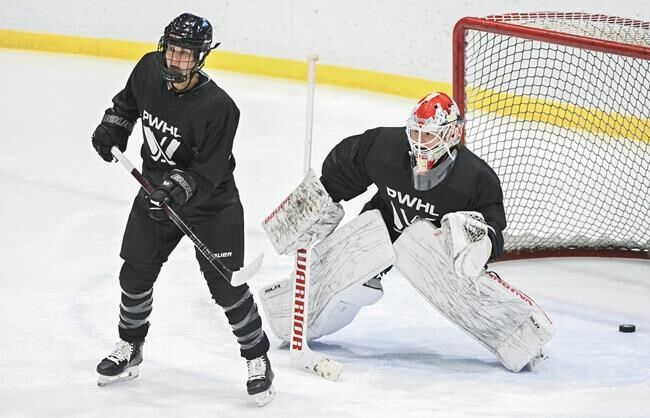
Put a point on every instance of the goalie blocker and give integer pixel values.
(306, 216)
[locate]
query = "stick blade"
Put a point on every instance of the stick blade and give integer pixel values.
(244, 274)
(328, 369)
(320, 365)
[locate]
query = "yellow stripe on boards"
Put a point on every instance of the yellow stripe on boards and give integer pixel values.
(328, 74)
(230, 61)
(520, 107)
(73, 44)
(562, 114)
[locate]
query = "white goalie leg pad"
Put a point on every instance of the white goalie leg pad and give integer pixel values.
(337, 314)
(340, 265)
(276, 300)
(306, 216)
(502, 318)
(524, 346)
(342, 308)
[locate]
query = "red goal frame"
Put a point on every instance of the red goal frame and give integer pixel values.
(506, 24)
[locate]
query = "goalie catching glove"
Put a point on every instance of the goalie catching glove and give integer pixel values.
(471, 246)
(305, 217)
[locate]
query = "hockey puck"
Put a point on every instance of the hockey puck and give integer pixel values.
(626, 328)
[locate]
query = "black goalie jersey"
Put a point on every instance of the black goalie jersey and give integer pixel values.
(380, 156)
(193, 132)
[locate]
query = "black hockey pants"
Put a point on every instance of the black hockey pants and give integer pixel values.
(146, 246)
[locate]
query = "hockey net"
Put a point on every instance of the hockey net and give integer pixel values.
(559, 105)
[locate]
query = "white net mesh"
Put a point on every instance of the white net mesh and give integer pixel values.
(566, 128)
(607, 28)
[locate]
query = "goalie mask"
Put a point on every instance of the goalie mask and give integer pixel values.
(433, 129)
(185, 44)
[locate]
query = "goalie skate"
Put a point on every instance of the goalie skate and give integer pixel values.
(121, 365)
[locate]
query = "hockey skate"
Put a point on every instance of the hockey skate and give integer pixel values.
(121, 364)
(260, 380)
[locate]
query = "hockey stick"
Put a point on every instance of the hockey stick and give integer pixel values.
(239, 277)
(299, 351)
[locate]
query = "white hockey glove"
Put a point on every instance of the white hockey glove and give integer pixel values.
(471, 246)
(306, 216)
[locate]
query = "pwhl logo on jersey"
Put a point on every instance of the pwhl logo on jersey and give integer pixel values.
(399, 201)
(164, 148)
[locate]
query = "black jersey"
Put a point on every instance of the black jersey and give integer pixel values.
(380, 156)
(192, 131)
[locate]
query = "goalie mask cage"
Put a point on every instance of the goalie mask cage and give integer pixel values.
(559, 104)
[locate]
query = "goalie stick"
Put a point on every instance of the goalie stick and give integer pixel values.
(239, 277)
(299, 352)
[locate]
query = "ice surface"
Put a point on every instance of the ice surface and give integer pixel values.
(62, 215)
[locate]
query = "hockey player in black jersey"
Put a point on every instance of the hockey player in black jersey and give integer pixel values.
(426, 180)
(189, 125)
(421, 171)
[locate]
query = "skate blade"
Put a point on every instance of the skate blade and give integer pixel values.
(128, 374)
(264, 397)
(538, 361)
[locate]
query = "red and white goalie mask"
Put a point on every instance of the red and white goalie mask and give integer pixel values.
(433, 128)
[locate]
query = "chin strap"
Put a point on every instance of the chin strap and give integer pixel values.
(191, 85)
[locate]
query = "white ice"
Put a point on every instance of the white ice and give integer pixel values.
(62, 214)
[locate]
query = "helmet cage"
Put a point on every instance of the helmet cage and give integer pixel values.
(430, 141)
(433, 129)
(188, 32)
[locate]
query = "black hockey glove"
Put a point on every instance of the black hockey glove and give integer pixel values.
(176, 189)
(114, 130)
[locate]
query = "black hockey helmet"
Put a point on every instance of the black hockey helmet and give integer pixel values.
(186, 31)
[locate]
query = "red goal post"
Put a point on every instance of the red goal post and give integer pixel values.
(559, 105)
